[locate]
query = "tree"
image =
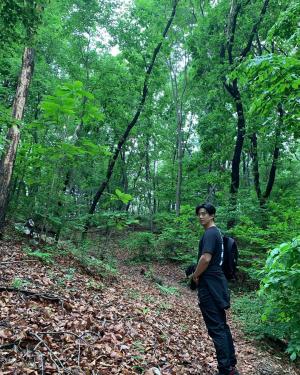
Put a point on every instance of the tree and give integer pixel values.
(136, 115)
(13, 135)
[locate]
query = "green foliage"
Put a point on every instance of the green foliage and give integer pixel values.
(42, 256)
(113, 220)
(277, 79)
(84, 254)
(247, 310)
(286, 30)
(141, 246)
(280, 286)
(120, 196)
(19, 283)
(168, 289)
(261, 229)
(17, 16)
(92, 284)
(178, 238)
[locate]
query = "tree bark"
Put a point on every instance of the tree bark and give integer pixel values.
(262, 198)
(273, 169)
(13, 135)
(179, 151)
(135, 118)
(255, 167)
(179, 111)
(233, 90)
(235, 165)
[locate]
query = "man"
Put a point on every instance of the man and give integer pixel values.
(213, 291)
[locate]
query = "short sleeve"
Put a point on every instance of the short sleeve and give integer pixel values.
(209, 242)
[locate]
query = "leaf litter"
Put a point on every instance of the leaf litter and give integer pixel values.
(74, 323)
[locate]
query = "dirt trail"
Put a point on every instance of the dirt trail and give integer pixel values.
(75, 323)
(251, 359)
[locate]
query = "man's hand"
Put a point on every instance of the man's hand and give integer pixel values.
(201, 267)
(195, 277)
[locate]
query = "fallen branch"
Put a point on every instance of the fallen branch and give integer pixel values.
(49, 297)
(57, 362)
(79, 337)
(9, 345)
(18, 261)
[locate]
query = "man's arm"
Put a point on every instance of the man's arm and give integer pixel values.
(202, 265)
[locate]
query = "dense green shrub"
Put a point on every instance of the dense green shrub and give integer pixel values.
(248, 309)
(280, 285)
(255, 240)
(178, 239)
(141, 246)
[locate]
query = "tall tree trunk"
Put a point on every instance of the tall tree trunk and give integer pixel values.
(255, 167)
(135, 118)
(235, 165)
(178, 104)
(273, 169)
(13, 135)
(233, 89)
(148, 181)
(155, 187)
(179, 169)
(262, 198)
(124, 178)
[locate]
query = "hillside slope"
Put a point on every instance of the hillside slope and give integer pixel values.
(57, 319)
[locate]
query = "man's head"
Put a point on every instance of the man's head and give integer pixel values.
(206, 214)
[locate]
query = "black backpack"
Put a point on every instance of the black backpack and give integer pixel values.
(230, 259)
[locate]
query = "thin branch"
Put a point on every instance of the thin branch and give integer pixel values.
(254, 30)
(18, 261)
(49, 297)
(231, 27)
(60, 364)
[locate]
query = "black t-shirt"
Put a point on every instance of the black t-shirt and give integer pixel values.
(211, 242)
(213, 280)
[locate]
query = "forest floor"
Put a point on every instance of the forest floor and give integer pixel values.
(59, 319)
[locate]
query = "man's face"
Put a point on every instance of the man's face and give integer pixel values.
(204, 217)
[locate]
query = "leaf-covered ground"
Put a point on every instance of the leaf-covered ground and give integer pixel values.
(57, 319)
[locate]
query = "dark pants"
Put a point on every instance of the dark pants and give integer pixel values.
(218, 330)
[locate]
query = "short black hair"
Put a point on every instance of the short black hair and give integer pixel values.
(207, 206)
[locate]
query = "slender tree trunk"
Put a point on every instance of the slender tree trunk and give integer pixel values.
(13, 135)
(135, 118)
(155, 186)
(148, 180)
(211, 188)
(255, 167)
(178, 103)
(233, 89)
(124, 178)
(235, 165)
(273, 169)
(179, 170)
(262, 198)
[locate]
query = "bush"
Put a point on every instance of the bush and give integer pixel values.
(280, 286)
(141, 246)
(255, 241)
(83, 253)
(248, 310)
(178, 239)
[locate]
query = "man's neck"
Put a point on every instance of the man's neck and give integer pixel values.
(209, 225)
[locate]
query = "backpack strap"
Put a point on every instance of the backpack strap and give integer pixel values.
(222, 253)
